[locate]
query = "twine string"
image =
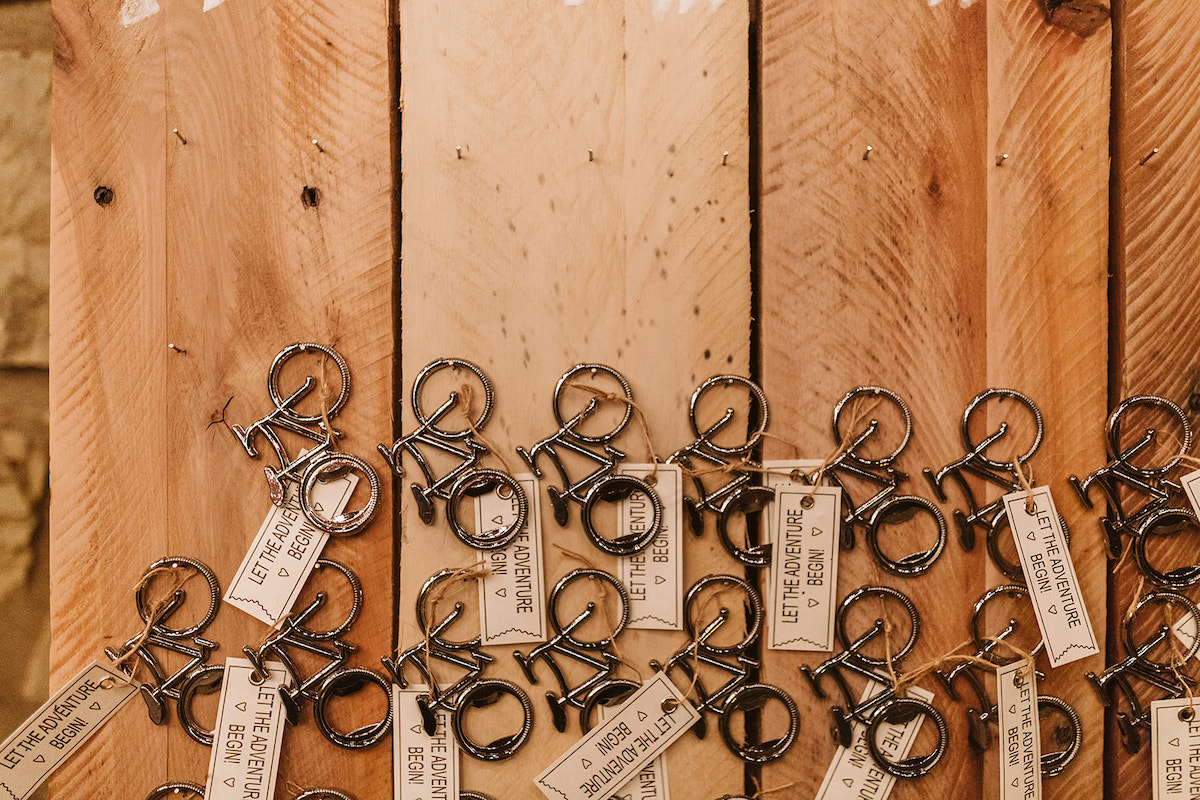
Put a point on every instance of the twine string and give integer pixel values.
(155, 611)
(859, 410)
(638, 413)
(1177, 655)
(601, 589)
(1026, 485)
(470, 572)
(467, 392)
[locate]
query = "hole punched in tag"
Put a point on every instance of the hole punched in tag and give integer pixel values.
(1187, 714)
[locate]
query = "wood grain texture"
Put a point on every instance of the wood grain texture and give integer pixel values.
(1157, 245)
(873, 273)
(107, 364)
(1048, 96)
(208, 246)
(527, 258)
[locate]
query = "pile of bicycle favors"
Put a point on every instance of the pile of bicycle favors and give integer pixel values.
(783, 523)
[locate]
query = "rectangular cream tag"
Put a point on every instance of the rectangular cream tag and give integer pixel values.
(1020, 740)
(60, 727)
(803, 599)
(1191, 487)
(615, 751)
(424, 767)
(284, 552)
(512, 603)
(853, 774)
(654, 577)
(774, 479)
(250, 722)
(1050, 576)
(1175, 749)
(649, 784)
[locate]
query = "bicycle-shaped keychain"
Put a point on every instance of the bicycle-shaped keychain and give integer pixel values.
(450, 433)
(734, 661)
(1141, 664)
(577, 441)
(976, 463)
(1138, 490)
(867, 456)
(887, 706)
(186, 640)
(470, 690)
(984, 714)
(587, 639)
(719, 461)
(320, 462)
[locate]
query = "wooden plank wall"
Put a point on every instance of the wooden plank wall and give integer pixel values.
(565, 197)
(527, 258)
(207, 246)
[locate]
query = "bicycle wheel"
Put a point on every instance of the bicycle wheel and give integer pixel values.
(1012, 569)
(426, 607)
(700, 598)
(179, 598)
(356, 599)
(982, 643)
(176, 790)
(481, 695)
(568, 635)
(902, 510)
(900, 711)
(757, 413)
(343, 683)
(880, 595)
(1140, 411)
(610, 693)
(331, 466)
(979, 404)
(614, 489)
(569, 381)
(870, 434)
(322, 794)
(496, 533)
(457, 365)
(753, 698)
(1166, 522)
(207, 679)
(745, 501)
(279, 398)
(1055, 762)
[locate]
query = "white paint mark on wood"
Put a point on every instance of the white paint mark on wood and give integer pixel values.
(661, 7)
(134, 11)
(209, 5)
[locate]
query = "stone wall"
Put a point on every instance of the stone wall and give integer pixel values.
(25, 58)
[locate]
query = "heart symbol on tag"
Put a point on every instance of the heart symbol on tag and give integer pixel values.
(1053, 609)
(416, 729)
(1174, 742)
(40, 759)
(240, 706)
(659, 579)
(229, 782)
(1012, 709)
(812, 601)
(1029, 536)
(641, 716)
(283, 573)
(502, 592)
(94, 706)
(849, 782)
(1014, 782)
(585, 762)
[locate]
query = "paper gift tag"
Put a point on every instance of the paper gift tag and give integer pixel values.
(425, 767)
(654, 577)
(60, 727)
(283, 553)
(250, 719)
(1175, 748)
(1050, 576)
(512, 601)
(1020, 738)
(804, 557)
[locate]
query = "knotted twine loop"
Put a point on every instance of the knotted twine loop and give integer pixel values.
(1026, 484)
(470, 572)
(324, 394)
(467, 392)
(602, 593)
(1182, 458)
(860, 410)
(638, 413)
(154, 613)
